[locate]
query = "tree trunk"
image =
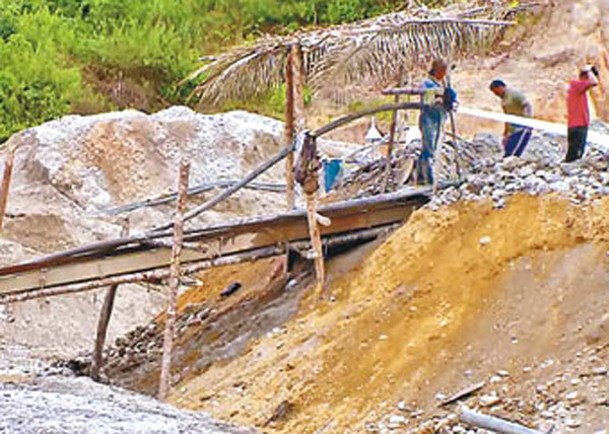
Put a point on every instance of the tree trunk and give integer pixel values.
(174, 279)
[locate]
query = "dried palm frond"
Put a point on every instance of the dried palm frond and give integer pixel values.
(374, 48)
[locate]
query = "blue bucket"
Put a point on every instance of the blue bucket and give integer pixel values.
(332, 169)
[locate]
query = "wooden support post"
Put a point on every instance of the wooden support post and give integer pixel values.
(174, 279)
(104, 320)
(289, 127)
(6, 182)
(392, 132)
(307, 175)
(315, 235)
(299, 82)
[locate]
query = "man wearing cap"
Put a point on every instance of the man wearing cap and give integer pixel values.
(433, 117)
(515, 137)
(578, 112)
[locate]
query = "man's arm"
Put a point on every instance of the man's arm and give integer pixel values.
(527, 108)
(591, 81)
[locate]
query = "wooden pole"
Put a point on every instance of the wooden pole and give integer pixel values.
(494, 423)
(299, 82)
(6, 182)
(174, 279)
(289, 127)
(104, 320)
(392, 131)
(315, 236)
(308, 176)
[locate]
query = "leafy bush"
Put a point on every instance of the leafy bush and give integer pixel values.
(47, 45)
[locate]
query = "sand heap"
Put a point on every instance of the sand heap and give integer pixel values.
(70, 173)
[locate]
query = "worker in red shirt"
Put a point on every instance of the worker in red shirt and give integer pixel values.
(579, 113)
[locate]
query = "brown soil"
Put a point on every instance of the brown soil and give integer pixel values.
(429, 304)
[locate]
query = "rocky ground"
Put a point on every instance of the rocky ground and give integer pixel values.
(61, 405)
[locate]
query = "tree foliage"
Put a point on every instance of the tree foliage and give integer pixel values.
(46, 46)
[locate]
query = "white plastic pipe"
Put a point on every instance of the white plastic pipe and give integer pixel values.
(599, 139)
(493, 424)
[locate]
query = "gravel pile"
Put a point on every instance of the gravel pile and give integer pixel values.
(489, 176)
(73, 405)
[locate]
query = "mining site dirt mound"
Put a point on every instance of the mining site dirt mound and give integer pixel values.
(72, 178)
(466, 294)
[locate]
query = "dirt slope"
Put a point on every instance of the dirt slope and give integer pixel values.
(430, 304)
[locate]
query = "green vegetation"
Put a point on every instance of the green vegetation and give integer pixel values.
(72, 56)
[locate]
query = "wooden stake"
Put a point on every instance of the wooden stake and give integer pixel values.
(104, 320)
(289, 127)
(315, 235)
(6, 183)
(174, 279)
(392, 131)
(299, 82)
(307, 174)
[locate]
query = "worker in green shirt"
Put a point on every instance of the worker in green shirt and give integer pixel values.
(515, 137)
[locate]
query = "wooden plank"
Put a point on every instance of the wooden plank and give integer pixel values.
(251, 255)
(98, 249)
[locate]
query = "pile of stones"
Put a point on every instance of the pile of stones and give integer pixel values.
(548, 396)
(489, 176)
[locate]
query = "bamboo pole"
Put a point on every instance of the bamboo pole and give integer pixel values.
(289, 127)
(174, 280)
(6, 183)
(104, 320)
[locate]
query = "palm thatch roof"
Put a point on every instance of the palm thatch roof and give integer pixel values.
(374, 48)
